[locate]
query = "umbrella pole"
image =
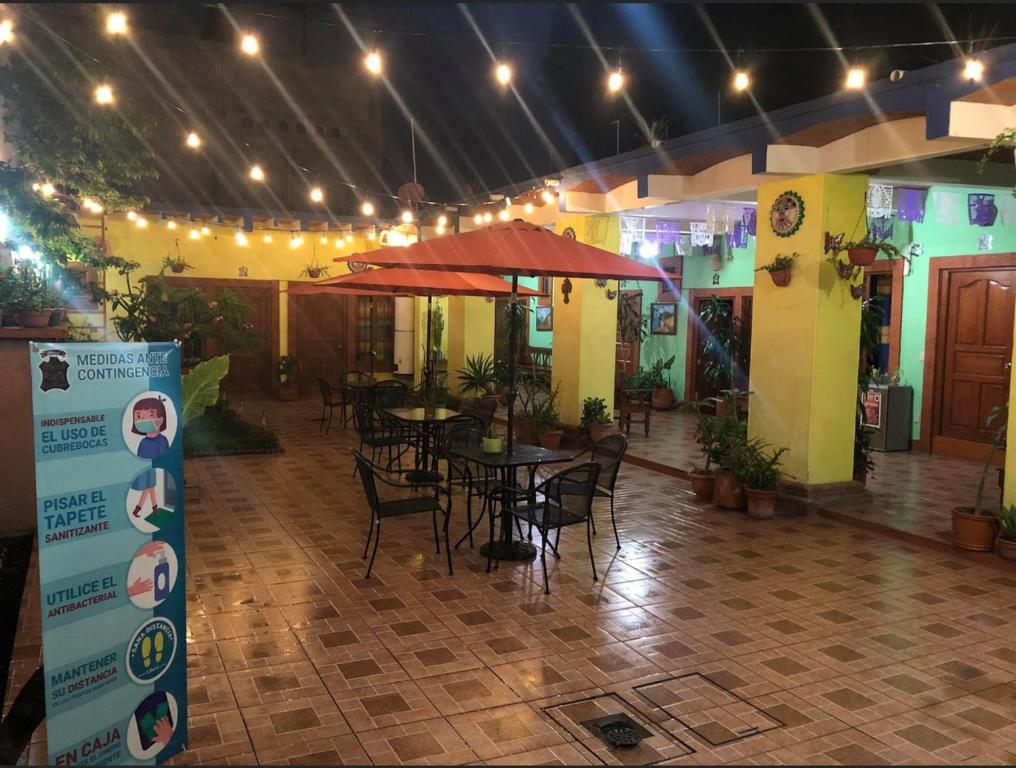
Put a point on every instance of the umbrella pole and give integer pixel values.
(427, 361)
(512, 341)
(370, 340)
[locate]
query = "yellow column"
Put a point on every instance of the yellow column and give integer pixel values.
(1009, 491)
(470, 332)
(585, 332)
(804, 347)
(283, 318)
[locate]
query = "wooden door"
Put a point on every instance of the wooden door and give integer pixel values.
(974, 356)
(321, 337)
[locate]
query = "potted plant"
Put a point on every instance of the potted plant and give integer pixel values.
(314, 270)
(863, 252)
(657, 379)
(975, 528)
(437, 332)
(780, 268)
(176, 265)
(596, 419)
(727, 346)
(732, 434)
(287, 370)
(32, 297)
(544, 421)
(492, 441)
(478, 376)
(1005, 544)
(759, 473)
(707, 436)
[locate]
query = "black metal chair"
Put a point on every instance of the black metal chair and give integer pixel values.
(607, 452)
(328, 404)
(351, 389)
(561, 500)
(374, 433)
(472, 478)
(414, 504)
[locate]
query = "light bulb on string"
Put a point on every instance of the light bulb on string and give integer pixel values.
(194, 234)
(349, 238)
(116, 23)
(256, 173)
(6, 31)
(503, 214)
(442, 220)
(324, 240)
(439, 229)
(48, 190)
(141, 222)
(367, 209)
(741, 81)
(131, 215)
(488, 217)
(478, 219)
(316, 195)
(241, 238)
(103, 94)
(193, 140)
(527, 208)
(407, 217)
(295, 241)
(249, 44)
(170, 225)
(205, 231)
(503, 73)
(615, 81)
(856, 78)
(372, 61)
(547, 196)
(371, 234)
(266, 238)
(973, 69)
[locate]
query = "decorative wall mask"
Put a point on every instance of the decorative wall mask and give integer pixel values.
(787, 214)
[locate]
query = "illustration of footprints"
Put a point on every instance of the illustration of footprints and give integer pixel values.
(146, 651)
(160, 641)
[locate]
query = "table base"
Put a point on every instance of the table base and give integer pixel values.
(510, 550)
(422, 476)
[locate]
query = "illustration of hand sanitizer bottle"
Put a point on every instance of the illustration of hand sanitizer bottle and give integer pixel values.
(161, 581)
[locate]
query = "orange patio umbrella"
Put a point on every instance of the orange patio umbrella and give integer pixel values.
(512, 248)
(411, 282)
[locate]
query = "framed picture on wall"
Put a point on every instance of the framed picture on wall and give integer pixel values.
(663, 319)
(544, 318)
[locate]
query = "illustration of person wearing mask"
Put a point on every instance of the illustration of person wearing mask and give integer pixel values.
(149, 419)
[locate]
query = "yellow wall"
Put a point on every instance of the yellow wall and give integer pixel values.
(585, 332)
(804, 348)
(470, 332)
(421, 333)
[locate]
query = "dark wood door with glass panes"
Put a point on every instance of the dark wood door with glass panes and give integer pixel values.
(380, 342)
(975, 351)
(318, 329)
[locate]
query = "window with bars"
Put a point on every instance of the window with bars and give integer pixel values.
(384, 331)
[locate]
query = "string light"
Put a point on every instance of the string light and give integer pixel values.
(741, 81)
(973, 69)
(6, 31)
(266, 238)
(548, 196)
(478, 219)
(503, 214)
(528, 208)
(295, 241)
(249, 44)
(855, 79)
(372, 61)
(241, 238)
(171, 225)
(440, 229)
(194, 234)
(90, 204)
(316, 195)
(116, 23)
(407, 217)
(131, 215)
(503, 73)
(324, 240)
(488, 217)
(349, 238)
(615, 81)
(205, 231)
(257, 173)
(141, 222)
(442, 220)
(103, 94)
(367, 209)
(371, 234)
(47, 190)
(193, 140)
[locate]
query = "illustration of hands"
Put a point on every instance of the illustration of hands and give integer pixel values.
(139, 587)
(163, 731)
(151, 549)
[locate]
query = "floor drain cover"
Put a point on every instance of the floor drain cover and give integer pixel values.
(618, 731)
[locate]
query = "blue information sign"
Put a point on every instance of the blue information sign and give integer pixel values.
(109, 481)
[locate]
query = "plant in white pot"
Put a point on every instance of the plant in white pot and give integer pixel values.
(758, 471)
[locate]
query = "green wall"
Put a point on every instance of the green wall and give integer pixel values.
(939, 240)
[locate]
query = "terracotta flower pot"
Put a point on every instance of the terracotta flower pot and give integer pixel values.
(551, 439)
(862, 257)
(313, 274)
(599, 431)
(728, 493)
(702, 484)
(177, 267)
(761, 504)
(523, 431)
(57, 317)
(781, 277)
(30, 319)
(1006, 548)
(663, 399)
(289, 391)
(974, 532)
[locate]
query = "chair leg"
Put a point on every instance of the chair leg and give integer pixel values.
(613, 522)
(447, 546)
(437, 544)
(328, 427)
(469, 511)
(594, 521)
(377, 540)
(490, 548)
(589, 543)
(557, 543)
(543, 559)
(370, 533)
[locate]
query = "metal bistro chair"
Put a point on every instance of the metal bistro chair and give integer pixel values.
(414, 504)
(607, 452)
(351, 389)
(373, 433)
(474, 479)
(328, 404)
(563, 499)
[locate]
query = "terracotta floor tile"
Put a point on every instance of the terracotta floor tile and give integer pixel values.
(467, 691)
(506, 730)
(429, 742)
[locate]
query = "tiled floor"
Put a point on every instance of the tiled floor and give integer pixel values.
(790, 641)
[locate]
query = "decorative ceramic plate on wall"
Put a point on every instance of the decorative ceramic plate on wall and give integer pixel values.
(787, 214)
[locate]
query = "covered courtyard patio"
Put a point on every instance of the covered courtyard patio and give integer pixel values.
(797, 641)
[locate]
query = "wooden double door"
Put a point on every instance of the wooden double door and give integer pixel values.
(972, 355)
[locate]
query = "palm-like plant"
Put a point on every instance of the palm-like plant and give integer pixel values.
(478, 376)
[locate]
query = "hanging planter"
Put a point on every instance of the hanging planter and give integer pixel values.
(862, 256)
(780, 268)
